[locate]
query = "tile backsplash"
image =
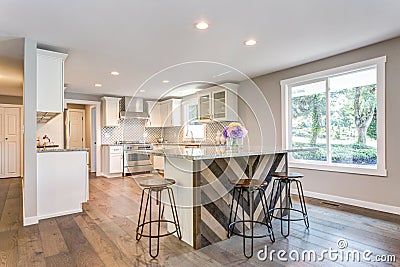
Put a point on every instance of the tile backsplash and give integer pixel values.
(128, 130)
(135, 130)
(175, 134)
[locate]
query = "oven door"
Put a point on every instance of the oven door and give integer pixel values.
(132, 159)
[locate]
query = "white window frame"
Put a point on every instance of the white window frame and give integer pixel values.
(380, 169)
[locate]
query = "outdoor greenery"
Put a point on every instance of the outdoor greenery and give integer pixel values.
(345, 154)
(352, 125)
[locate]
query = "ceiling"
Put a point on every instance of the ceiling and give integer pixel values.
(143, 40)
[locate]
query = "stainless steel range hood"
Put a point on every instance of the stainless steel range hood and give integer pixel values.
(133, 108)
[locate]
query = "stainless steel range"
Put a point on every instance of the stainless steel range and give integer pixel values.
(136, 163)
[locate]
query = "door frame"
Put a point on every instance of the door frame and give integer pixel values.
(21, 133)
(92, 146)
(98, 127)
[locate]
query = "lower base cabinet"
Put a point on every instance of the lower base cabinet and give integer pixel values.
(112, 159)
(158, 163)
(63, 183)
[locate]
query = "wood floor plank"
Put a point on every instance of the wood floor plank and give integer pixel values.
(104, 247)
(9, 248)
(104, 234)
(80, 249)
(10, 217)
(52, 239)
(60, 260)
(30, 249)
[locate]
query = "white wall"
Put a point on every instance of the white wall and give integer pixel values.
(30, 159)
(54, 130)
(371, 191)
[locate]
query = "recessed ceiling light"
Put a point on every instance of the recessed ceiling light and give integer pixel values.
(165, 81)
(250, 42)
(142, 91)
(98, 85)
(115, 73)
(202, 25)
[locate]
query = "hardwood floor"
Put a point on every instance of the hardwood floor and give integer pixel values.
(104, 234)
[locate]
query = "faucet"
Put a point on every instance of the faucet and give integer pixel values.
(45, 137)
(192, 137)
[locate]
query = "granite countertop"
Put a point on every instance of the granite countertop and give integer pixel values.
(202, 153)
(184, 144)
(62, 150)
(111, 144)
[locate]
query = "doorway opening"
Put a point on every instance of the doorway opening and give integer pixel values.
(10, 141)
(82, 129)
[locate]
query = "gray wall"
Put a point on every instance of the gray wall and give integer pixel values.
(30, 160)
(380, 190)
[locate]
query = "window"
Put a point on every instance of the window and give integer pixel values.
(341, 112)
(193, 129)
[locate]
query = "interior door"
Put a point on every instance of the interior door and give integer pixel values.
(2, 142)
(12, 142)
(76, 128)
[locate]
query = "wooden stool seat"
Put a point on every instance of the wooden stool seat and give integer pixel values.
(251, 183)
(289, 175)
(156, 182)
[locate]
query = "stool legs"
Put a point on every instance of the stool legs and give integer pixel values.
(142, 220)
(241, 192)
(284, 186)
(302, 203)
(139, 236)
(174, 212)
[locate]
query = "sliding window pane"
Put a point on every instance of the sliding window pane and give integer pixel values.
(353, 118)
(309, 120)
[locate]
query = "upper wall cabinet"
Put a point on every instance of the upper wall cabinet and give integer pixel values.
(219, 103)
(166, 113)
(154, 113)
(110, 111)
(170, 112)
(50, 81)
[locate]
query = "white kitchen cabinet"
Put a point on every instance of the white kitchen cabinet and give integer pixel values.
(155, 114)
(62, 182)
(219, 103)
(110, 111)
(204, 106)
(170, 112)
(166, 113)
(50, 81)
(158, 163)
(112, 161)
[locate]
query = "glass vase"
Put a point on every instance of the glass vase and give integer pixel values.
(234, 143)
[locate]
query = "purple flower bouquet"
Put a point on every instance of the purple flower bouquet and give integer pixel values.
(234, 133)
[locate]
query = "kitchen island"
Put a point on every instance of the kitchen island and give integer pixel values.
(204, 180)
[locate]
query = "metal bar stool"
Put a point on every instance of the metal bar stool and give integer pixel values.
(250, 186)
(283, 182)
(157, 186)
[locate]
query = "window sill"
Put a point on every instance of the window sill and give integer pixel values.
(352, 169)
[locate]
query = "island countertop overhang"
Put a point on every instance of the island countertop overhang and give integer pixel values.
(204, 153)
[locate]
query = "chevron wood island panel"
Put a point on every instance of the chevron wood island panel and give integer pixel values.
(215, 180)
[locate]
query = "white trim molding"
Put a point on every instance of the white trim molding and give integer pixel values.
(68, 212)
(354, 202)
(380, 169)
(30, 220)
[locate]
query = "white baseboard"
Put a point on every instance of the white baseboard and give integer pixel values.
(355, 202)
(31, 220)
(46, 216)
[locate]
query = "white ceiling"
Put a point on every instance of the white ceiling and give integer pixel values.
(140, 38)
